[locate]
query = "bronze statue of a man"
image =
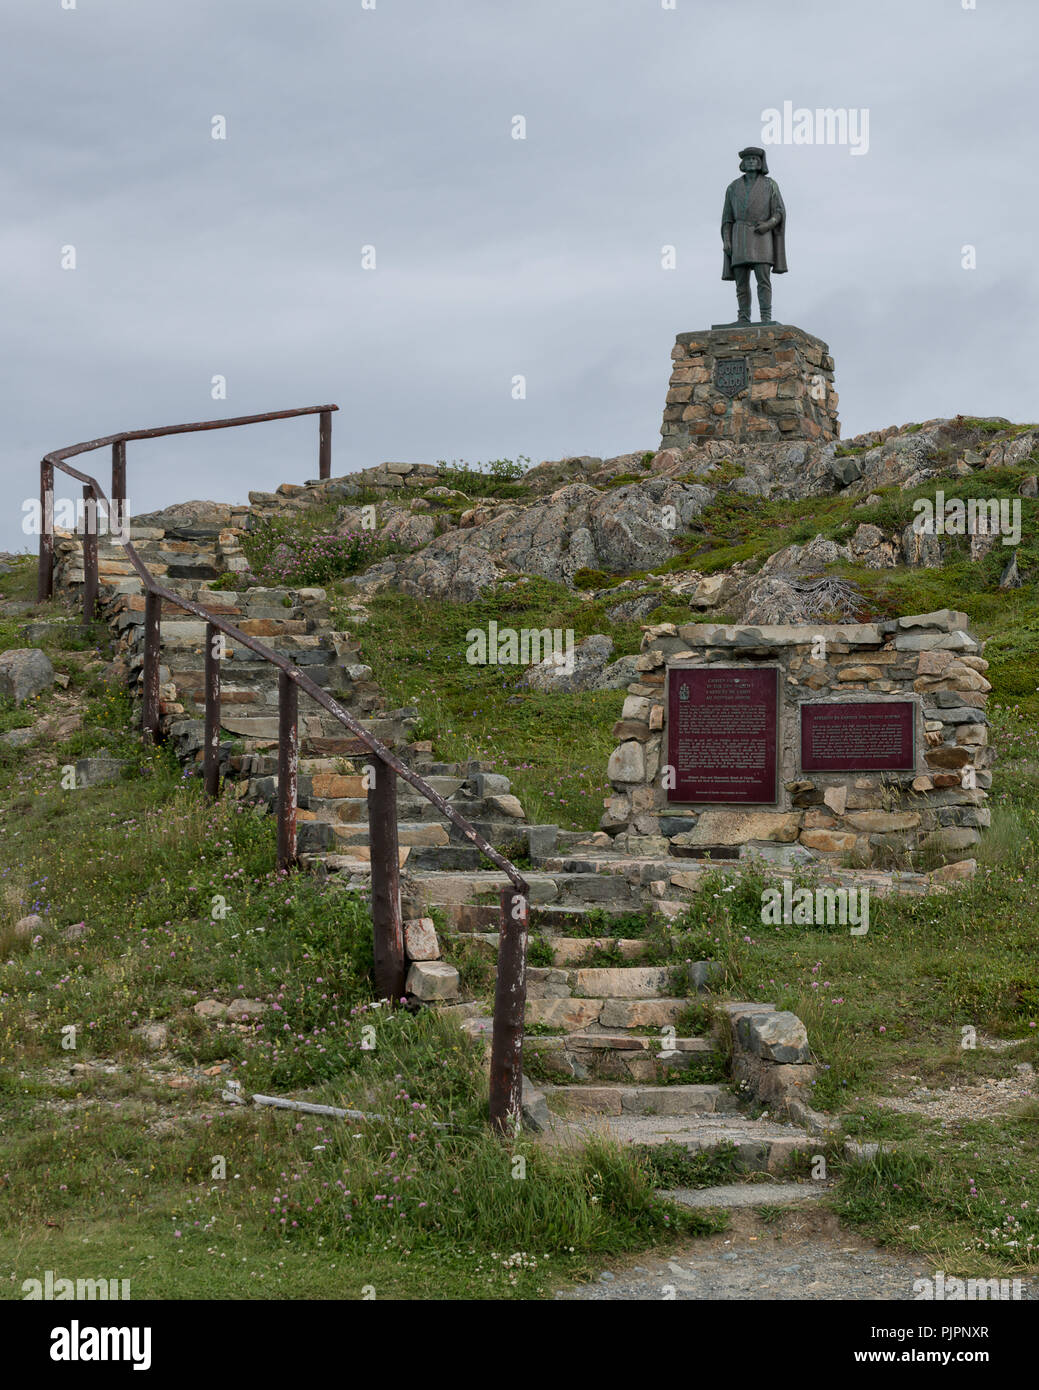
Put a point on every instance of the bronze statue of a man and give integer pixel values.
(753, 233)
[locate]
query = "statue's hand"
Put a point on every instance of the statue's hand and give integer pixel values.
(727, 245)
(763, 227)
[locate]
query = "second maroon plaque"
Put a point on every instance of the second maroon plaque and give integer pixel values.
(858, 736)
(721, 734)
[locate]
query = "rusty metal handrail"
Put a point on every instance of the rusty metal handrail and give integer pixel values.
(510, 989)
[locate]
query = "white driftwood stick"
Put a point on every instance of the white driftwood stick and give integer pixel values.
(308, 1108)
(280, 1103)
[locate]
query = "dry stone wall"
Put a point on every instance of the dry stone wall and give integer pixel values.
(937, 805)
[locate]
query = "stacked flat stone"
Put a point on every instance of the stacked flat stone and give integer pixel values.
(938, 806)
(386, 478)
(789, 392)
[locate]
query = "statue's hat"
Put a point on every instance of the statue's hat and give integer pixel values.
(755, 149)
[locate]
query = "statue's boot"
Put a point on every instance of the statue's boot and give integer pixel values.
(765, 303)
(743, 304)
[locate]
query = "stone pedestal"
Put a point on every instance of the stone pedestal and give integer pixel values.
(750, 383)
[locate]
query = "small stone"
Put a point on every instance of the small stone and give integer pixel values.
(429, 980)
(97, 772)
(777, 1037)
(153, 1035)
(210, 1008)
(962, 868)
(60, 727)
(245, 1010)
(28, 927)
(25, 672)
(837, 799)
(627, 763)
(536, 1114)
(1011, 578)
(18, 738)
(420, 939)
(945, 619)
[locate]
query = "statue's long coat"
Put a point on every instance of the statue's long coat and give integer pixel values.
(745, 206)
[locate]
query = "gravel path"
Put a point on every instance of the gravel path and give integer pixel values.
(802, 1255)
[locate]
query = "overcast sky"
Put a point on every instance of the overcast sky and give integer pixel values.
(391, 126)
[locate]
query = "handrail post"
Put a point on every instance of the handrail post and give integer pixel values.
(324, 448)
(510, 1001)
(387, 922)
(45, 577)
(117, 502)
(288, 768)
(150, 691)
(211, 755)
(89, 555)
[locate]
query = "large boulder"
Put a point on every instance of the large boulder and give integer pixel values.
(455, 568)
(811, 558)
(408, 528)
(589, 660)
(25, 672)
(901, 457)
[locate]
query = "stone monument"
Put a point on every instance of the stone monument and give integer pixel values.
(746, 381)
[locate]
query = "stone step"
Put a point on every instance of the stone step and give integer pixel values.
(420, 833)
(761, 1145)
(665, 879)
(596, 888)
(439, 889)
(748, 1194)
(265, 727)
(622, 1056)
(451, 858)
(578, 1012)
(601, 982)
(355, 861)
(558, 917)
(568, 950)
(413, 807)
(640, 1100)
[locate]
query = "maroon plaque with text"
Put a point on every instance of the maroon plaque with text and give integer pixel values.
(721, 734)
(858, 736)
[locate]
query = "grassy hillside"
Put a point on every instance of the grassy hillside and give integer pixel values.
(117, 1158)
(108, 1150)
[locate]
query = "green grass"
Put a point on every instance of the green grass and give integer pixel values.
(480, 712)
(384, 1203)
(111, 1170)
(499, 480)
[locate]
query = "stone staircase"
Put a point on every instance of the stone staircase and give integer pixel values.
(333, 810)
(607, 1040)
(619, 1065)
